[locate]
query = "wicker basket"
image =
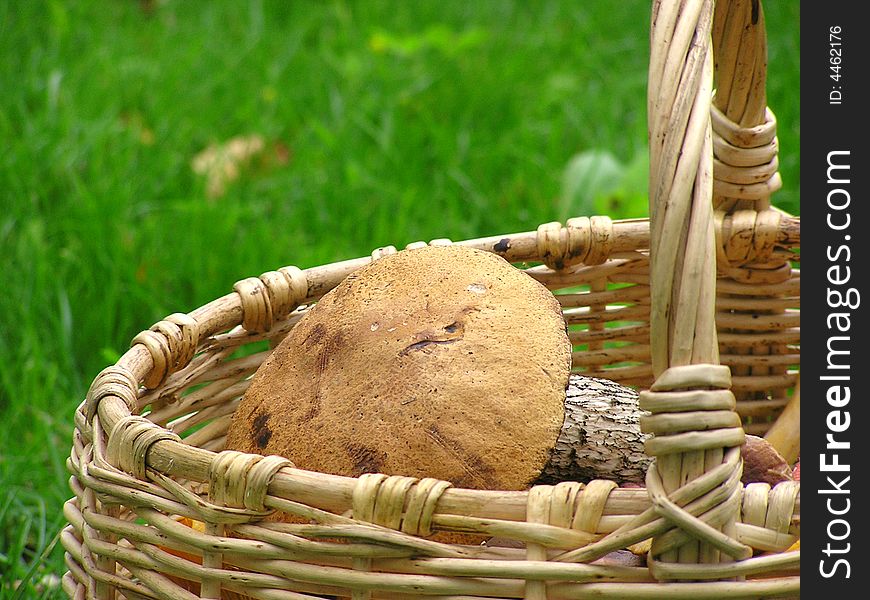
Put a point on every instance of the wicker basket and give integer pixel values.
(162, 511)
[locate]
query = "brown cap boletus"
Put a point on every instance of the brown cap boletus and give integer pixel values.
(443, 361)
(763, 463)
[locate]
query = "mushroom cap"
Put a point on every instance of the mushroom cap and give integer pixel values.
(442, 362)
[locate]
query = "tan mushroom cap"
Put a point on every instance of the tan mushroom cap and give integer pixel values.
(442, 362)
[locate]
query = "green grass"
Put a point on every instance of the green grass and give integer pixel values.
(399, 121)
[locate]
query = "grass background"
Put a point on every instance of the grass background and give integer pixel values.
(384, 122)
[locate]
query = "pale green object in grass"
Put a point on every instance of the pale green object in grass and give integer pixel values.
(595, 182)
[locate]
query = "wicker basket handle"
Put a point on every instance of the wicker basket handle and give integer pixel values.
(688, 176)
(744, 128)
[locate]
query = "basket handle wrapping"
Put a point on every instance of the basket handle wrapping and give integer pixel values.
(706, 153)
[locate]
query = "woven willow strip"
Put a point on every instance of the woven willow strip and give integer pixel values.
(219, 381)
(683, 267)
(745, 159)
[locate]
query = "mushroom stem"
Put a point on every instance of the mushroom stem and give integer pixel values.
(600, 437)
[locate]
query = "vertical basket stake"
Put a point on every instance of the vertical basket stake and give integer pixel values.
(682, 252)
